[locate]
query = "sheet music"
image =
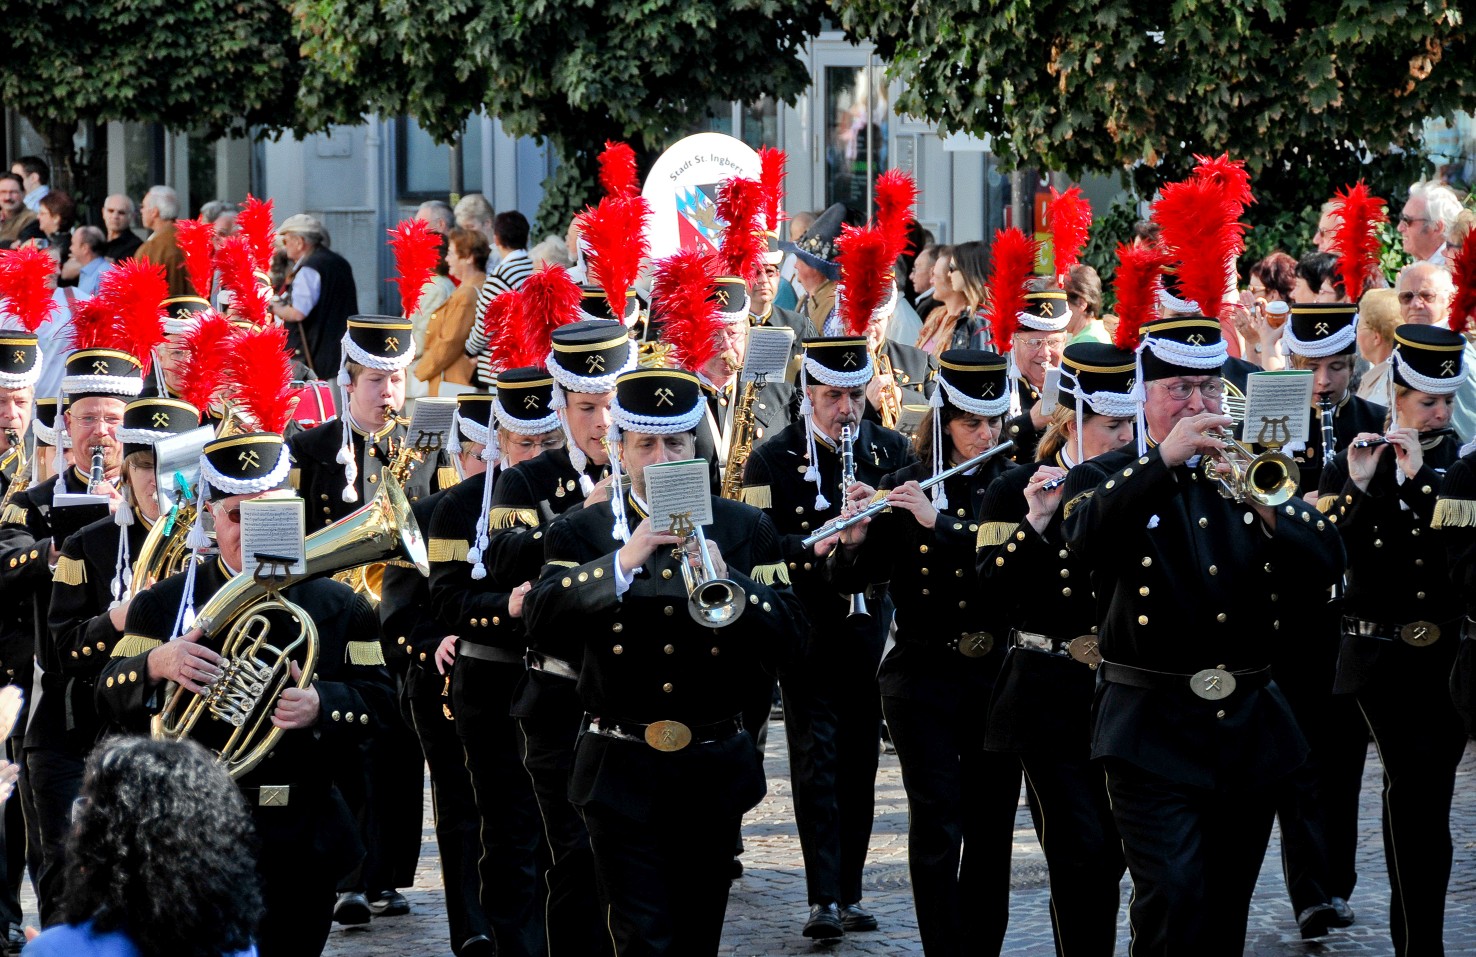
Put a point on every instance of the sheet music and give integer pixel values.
(679, 488)
(1050, 396)
(274, 527)
(767, 353)
(430, 423)
(1276, 406)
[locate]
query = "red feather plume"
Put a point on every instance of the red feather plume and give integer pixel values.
(196, 241)
(500, 326)
(1199, 225)
(1229, 175)
(739, 205)
(616, 241)
(131, 293)
(690, 318)
(255, 222)
(25, 286)
(1069, 218)
(1139, 267)
(549, 298)
(896, 194)
(1356, 239)
(209, 346)
(865, 258)
(1463, 271)
(235, 261)
(771, 177)
(618, 175)
(92, 326)
(260, 369)
(1011, 265)
(417, 250)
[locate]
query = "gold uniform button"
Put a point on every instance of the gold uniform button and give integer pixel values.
(1419, 563)
(1204, 523)
(472, 622)
(374, 480)
(1425, 490)
(496, 620)
(1220, 618)
(669, 611)
(567, 581)
(618, 627)
(1147, 562)
(348, 716)
(400, 640)
(1010, 547)
(1219, 714)
(422, 658)
(768, 607)
(1419, 594)
(1142, 619)
(537, 536)
(715, 651)
(1127, 471)
(666, 572)
(1063, 553)
(666, 687)
(74, 654)
(110, 681)
(958, 573)
(86, 650)
(670, 649)
(133, 676)
(484, 623)
(1214, 569)
(101, 646)
(923, 571)
(599, 573)
(618, 649)
(1110, 483)
(1065, 573)
(1066, 593)
(799, 509)
(999, 561)
(804, 526)
(338, 716)
(1020, 536)
(1143, 460)
(922, 549)
(363, 719)
(323, 497)
(808, 566)
(1142, 591)
(583, 577)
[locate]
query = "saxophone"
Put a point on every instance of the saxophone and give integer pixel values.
(889, 398)
(740, 443)
(20, 479)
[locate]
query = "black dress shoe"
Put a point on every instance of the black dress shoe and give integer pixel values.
(352, 908)
(735, 869)
(856, 920)
(389, 904)
(478, 946)
(824, 923)
(1345, 913)
(1316, 920)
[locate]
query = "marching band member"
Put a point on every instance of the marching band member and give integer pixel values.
(663, 769)
(763, 285)
(1455, 516)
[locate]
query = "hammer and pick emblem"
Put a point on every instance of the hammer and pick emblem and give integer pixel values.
(1447, 367)
(248, 459)
(596, 362)
(988, 390)
(850, 360)
(18, 356)
(665, 397)
(100, 367)
(530, 401)
(161, 420)
(1197, 339)
(1321, 329)
(723, 296)
(392, 342)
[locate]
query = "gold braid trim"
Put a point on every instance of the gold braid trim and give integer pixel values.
(447, 550)
(1325, 503)
(364, 653)
(503, 517)
(13, 515)
(1076, 501)
(769, 574)
(1454, 513)
(131, 645)
(70, 571)
(994, 533)
(294, 478)
(559, 564)
(759, 496)
(446, 476)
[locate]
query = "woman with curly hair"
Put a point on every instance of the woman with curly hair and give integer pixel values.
(160, 860)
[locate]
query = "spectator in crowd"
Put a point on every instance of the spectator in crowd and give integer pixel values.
(1271, 280)
(1317, 279)
(1425, 293)
(117, 215)
(552, 251)
(433, 296)
(1378, 314)
(474, 212)
(445, 358)
(1431, 209)
(320, 294)
(57, 215)
(963, 286)
(510, 242)
(17, 224)
(221, 214)
(904, 326)
(159, 210)
(160, 858)
(1084, 299)
(87, 262)
(1455, 236)
(35, 175)
(438, 215)
(922, 280)
(1327, 225)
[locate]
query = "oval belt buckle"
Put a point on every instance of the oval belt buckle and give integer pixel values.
(975, 644)
(1420, 633)
(668, 735)
(1083, 648)
(1212, 684)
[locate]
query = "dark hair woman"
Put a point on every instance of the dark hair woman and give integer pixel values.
(160, 862)
(962, 292)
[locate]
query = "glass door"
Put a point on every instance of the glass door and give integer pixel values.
(853, 126)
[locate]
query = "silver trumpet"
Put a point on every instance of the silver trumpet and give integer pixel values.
(713, 602)
(848, 478)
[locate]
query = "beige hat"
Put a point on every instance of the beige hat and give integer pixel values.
(304, 225)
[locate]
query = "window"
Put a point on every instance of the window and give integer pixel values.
(424, 167)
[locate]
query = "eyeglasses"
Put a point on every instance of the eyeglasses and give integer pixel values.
(1181, 391)
(525, 445)
(234, 514)
(1407, 220)
(93, 421)
(1427, 297)
(1055, 342)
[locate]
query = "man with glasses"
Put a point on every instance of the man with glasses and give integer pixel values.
(1429, 212)
(1037, 344)
(1425, 294)
(122, 241)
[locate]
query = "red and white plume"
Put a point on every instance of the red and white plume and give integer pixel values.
(1463, 271)
(1139, 267)
(1011, 265)
(1199, 223)
(896, 194)
(866, 283)
(25, 286)
(740, 206)
(771, 177)
(196, 241)
(1069, 219)
(255, 222)
(615, 239)
(690, 317)
(209, 346)
(260, 370)
(130, 294)
(618, 174)
(237, 265)
(1356, 238)
(505, 346)
(520, 324)
(417, 250)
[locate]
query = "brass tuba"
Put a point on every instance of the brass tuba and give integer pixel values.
(232, 716)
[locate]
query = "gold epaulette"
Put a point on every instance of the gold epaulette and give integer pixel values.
(1454, 513)
(294, 478)
(70, 571)
(994, 533)
(130, 645)
(770, 573)
(503, 517)
(446, 550)
(446, 476)
(364, 653)
(1071, 505)
(1325, 503)
(759, 496)
(13, 515)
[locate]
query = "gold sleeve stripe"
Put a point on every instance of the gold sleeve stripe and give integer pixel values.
(1454, 513)
(294, 478)
(447, 550)
(364, 653)
(1325, 503)
(131, 645)
(759, 496)
(13, 515)
(994, 533)
(769, 574)
(559, 564)
(70, 571)
(502, 517)
(446, 477)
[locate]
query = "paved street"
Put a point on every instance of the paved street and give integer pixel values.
(768, 903)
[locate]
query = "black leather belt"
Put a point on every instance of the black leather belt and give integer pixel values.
(1082, 648)
(1211, 684)
(1420, 634)
(663, 735)
(502, 656)
(552, 666)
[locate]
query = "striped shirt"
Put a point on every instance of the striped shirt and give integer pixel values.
(506, 276)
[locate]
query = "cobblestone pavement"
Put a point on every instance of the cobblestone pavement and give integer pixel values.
(767, 907)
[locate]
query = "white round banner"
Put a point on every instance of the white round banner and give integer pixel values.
(682, 190)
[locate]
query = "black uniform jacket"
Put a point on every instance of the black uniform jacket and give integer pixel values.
(644, 659)
(786, 318)
(1187, 580)
(320, 477)
(409, 633)
(1021, 428)
(1455, 521)
(1350, 417)
(474, 610)
(772, 411)
(1397, 570)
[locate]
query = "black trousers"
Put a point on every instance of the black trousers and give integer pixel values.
(1420, 740)
(961, 803)
(13, 841)
(452, 803)
(55, 782)
(665, 882)
(397, 806)
(1194, 855)
(298, 893)
(1073, 819)
(503, 816)
(575, 925)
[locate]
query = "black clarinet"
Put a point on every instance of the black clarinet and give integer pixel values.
(1325, 406)
(98, 477)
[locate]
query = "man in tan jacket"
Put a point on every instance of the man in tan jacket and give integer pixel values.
(158, 212)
